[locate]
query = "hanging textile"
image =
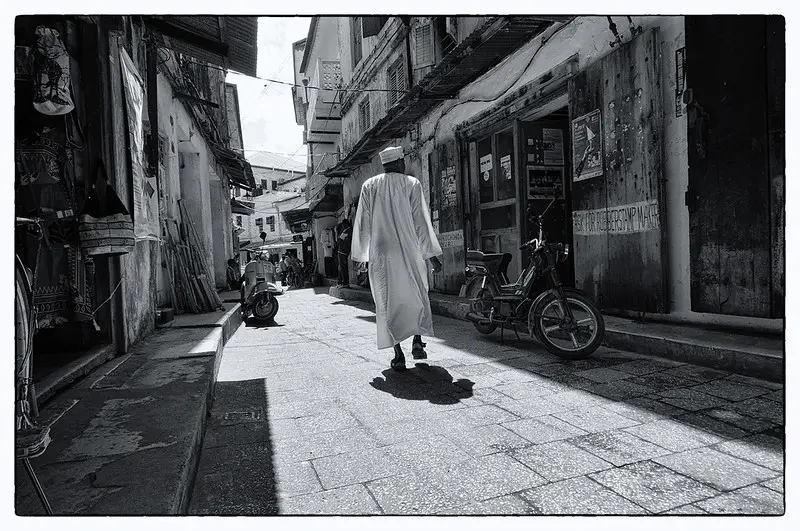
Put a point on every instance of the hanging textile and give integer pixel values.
(51, 76)
(145, 213)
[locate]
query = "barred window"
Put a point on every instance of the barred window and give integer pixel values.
(363, 116)
(396, 82)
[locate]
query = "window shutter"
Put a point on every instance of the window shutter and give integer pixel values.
(396, 82)
(371, 26)
(363, 115)
(423, 39)
(357, 37)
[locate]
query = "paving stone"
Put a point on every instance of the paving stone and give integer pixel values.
(475, 416)
(696, 373)
(481, 369)
(642, 367)
(595, 419)
(331, 420)
(293, 479)
(759, 449)
(691, 400)
(720, 470)
(620, 390)
(619, 447)
(747, 501)
(485, 440)
(408, 493)
(352, 500)
(313, 446)
(776, 484)
(760, 408)
(659, 382)
(644, 409)
(428, 453)
(525, 390)
(603, 375)
(730, 390)
(357, 467)
(533, 407)
(745, 422)
(755, 381)
(717, 427)
(544, 429)
(776, 396)
(674, 435)
(654, 487)
(485, 477)
(559, 460)
(577, 399)
(578, 496)
(686, 510)
(569, 382)
(502, 505)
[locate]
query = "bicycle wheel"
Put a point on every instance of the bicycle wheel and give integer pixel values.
(22, 360)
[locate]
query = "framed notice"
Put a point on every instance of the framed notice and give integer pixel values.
(553, 147)
(544, 181)
(587, 146)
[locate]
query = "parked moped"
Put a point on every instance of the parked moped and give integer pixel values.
(259, 291)
(564, 319)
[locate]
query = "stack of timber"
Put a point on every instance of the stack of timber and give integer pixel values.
(194, 291)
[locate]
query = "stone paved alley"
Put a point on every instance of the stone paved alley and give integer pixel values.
(307, 419)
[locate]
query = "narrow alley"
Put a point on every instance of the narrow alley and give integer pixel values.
(308, 419)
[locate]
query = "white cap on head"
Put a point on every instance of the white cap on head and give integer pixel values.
(391, 154)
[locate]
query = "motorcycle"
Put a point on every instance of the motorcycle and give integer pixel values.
(563, 319)
(259, 292)
(233, 274)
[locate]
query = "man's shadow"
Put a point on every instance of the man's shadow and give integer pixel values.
(414, 384)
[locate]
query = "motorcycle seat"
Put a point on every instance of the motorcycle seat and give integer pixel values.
(493, 262)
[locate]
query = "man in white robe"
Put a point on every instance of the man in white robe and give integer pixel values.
(393, 232)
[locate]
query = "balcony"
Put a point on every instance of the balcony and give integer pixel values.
(323, 118)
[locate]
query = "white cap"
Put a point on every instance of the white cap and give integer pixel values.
(391, 154)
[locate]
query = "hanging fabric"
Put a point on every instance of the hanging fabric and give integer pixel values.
(51, 74)
(105, 227)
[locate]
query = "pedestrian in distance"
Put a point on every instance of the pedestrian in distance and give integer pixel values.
(343, 246)
(393, 232)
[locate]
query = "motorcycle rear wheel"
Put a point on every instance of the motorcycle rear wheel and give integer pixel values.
(546, 324)
(266, 309)
(484, 297)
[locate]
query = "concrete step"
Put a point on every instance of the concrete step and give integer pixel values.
(127, 437)
(758, 356)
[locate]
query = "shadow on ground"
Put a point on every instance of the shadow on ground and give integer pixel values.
(643, 389)
(410, 384)
(236, 474)
(254, 323)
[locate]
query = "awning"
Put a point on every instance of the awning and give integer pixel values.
(298, 219)
(331, 200)
(229, 42)
(238, 207)
(486, 47)
(238, 170)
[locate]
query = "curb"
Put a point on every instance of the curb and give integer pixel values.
(758, 362)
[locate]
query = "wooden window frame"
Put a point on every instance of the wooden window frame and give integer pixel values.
(418, 42)
(395, 81)
(364, 115)
(356, 41)
(496, 159)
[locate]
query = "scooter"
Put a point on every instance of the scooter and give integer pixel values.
(259, 291)
(564, 319)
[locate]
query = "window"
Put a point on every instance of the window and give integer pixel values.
(239, 220)
(264, 184)
(271, 223)
(423, 46)
(260, 224)
(497, 174)
(237, 191)
(371, 26)
(355, 40)
(363, 115)
(274, 185)
(396, 81)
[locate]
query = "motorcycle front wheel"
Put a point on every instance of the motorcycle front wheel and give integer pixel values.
(571, 339)
(266, 309)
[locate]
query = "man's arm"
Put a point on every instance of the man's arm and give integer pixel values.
(428, 242)
(362, 228)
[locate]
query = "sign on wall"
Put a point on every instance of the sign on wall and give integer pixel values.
(486, 166)
(451, 239)
(543, 181)
(587, 146)
(624, 219)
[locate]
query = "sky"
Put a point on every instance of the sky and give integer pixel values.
(267, 116)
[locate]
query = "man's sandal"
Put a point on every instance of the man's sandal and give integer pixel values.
(398, 365)
(418, 351)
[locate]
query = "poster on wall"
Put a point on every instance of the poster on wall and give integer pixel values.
(449, 194)
(145, 212)
(587, 146)
(451, 239)
(553, 145)
(544, 182)
(486, 166)
(505, 167)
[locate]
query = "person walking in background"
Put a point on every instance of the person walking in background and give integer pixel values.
(343, 245)
(394, 234)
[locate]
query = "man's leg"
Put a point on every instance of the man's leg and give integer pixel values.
(418, 349)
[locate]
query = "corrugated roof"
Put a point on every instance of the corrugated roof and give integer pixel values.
(276, 162)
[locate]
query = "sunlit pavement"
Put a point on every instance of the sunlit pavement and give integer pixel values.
(308, 419)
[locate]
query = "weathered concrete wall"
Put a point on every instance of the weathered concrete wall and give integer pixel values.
(223, 246)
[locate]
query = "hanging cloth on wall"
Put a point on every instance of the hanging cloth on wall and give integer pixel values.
(106, 228)
(51, 74)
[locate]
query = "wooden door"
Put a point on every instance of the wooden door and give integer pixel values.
(446, 213)
(735, 128)
(618, 200)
